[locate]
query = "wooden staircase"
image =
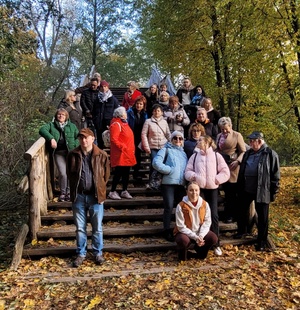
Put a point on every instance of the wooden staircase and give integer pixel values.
(129, 225)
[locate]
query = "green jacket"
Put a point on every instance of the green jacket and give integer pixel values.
(52, 131)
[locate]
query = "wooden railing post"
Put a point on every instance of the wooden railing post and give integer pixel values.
(39, 180)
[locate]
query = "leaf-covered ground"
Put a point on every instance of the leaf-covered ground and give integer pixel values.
(241, 279)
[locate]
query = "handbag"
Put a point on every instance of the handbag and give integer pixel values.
(156, 177)
(229, 158)
(140, 146)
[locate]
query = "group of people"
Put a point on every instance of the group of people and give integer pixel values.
(188, 142)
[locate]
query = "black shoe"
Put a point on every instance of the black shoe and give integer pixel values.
(182, 255)
(228, 220)
(261, 246)
(169, 235)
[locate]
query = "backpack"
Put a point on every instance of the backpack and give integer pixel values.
(106, 136)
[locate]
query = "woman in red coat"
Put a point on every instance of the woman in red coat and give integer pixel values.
(131, 95)
(122, 151)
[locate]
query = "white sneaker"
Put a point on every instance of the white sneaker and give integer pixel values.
(125, 194)
(218, 251)
(114, 195)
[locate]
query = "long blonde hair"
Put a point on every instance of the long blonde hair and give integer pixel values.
(68, 94)
(209, 141)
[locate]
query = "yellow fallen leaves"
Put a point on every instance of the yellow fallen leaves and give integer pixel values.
(29, 303)
(94, 302)
(2, 304)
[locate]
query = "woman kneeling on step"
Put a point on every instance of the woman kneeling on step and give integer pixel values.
(193, 220)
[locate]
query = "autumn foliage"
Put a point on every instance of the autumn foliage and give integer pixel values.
(240, 279)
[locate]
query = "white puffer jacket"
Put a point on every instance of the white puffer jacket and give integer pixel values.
(155, 134)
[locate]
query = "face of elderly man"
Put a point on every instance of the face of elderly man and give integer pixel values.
(255, 144)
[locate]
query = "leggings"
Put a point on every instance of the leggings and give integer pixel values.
(120, 172)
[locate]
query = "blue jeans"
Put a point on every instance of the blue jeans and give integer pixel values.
(81, 206)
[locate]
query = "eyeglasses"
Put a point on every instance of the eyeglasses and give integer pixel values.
(196, 130)
(178, 138)
(252, 140)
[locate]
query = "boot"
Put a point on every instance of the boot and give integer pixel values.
(182, 255)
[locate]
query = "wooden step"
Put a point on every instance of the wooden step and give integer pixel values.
(121, 245)
(113, 229)
(119, 215)
(137, 201)
(109, 215)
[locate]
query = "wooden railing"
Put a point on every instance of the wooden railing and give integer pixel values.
(39, 184)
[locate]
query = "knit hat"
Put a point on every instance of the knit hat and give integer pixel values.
(104, 83)
(176, 133)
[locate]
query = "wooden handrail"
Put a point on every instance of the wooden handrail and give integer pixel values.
(39, 186)
(34, 149)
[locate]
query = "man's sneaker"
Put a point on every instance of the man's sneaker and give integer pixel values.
(99, 259)
(218, 251)
(67, 197)
(78, 261)
(62, 198)
(114, 195)
(125, 194)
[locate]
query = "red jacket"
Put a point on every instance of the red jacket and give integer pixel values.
(122, 147)
(128, 100)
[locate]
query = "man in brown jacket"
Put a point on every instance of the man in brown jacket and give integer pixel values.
(88, 171)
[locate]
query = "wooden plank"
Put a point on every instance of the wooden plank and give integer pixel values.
(68, 231)
(18, 248)
(123, 203)
(114, 248)
(34, 149)
(128, 214)
(156, 246)
(112, 215)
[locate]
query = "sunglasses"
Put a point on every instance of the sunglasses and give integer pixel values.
(178, 138)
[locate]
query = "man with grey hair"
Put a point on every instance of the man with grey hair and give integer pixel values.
(258, 180)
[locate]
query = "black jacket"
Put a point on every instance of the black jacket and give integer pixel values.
(268, 175)
(103, 112)
(88, 99)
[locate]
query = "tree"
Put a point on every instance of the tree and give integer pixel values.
(54, 23)
(100, 21)
(15, 40)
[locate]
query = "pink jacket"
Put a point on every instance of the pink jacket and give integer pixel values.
(208, 169)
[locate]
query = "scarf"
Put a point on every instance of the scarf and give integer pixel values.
(62, 125)
(104, 96)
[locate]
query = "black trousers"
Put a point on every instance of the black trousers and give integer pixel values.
(211, 196)
(120, 172)
(231, 193)
(262, 210)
